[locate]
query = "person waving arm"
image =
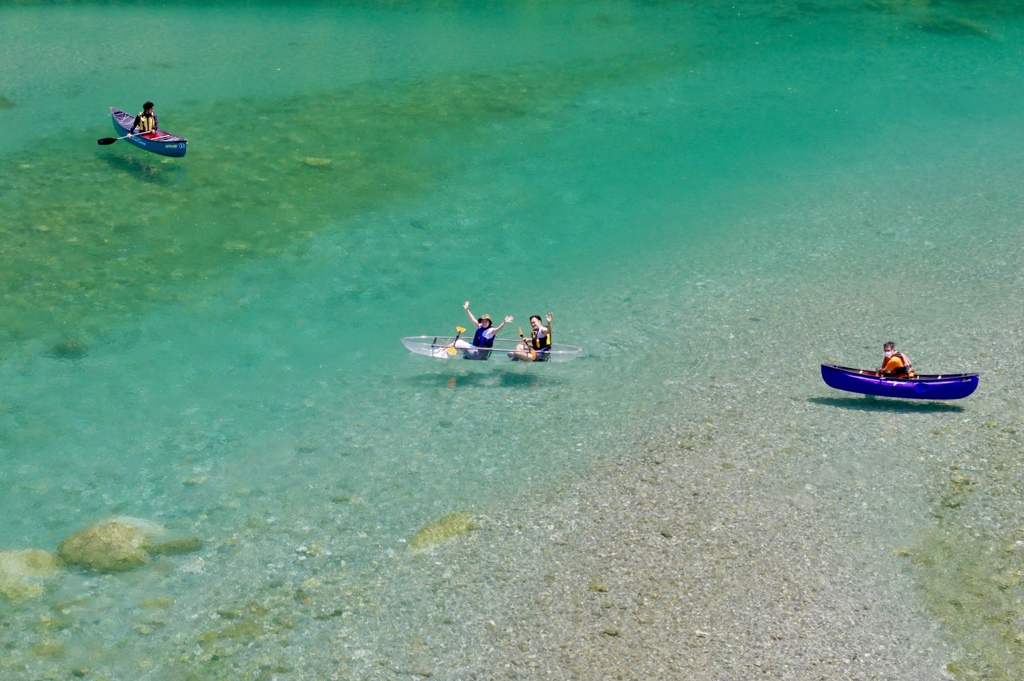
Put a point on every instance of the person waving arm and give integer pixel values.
(472, 317)
(508, 320)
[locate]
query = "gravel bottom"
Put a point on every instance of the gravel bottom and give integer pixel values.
(704, 555)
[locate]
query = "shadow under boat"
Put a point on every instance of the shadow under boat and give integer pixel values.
(141, 169)
(484, 380)
(872, 403)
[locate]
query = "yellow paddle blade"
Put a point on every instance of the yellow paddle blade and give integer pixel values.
(460, 329)
(520, 332)
(451, 350)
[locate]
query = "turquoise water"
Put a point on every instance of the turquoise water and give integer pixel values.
(704, 195)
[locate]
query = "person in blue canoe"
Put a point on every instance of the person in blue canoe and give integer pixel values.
(483, 337)
(146, 121)
(895, 363)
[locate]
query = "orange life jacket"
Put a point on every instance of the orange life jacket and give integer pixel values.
(904, 370)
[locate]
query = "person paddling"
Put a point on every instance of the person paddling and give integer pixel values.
(146, 121)
(895, 363)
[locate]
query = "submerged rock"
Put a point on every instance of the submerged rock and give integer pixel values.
(22, 572)
(147, 527)
(452, 525)
(6, 103)
(110, 546)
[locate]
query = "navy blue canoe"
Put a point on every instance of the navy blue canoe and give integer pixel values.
(158, 141)
(922, 387)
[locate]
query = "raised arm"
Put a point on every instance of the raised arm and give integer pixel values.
(508, 320)
(465, 306)
(549, 318)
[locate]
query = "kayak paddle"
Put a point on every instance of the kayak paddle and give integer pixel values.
(451, 348)
(533, 353)
(110, 140)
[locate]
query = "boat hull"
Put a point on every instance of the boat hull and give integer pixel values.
(925, 387)
(157, 142)
(438, 346)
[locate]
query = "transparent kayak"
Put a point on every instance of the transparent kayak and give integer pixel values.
(439, 347)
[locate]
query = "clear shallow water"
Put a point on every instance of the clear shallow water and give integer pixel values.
(681, 185)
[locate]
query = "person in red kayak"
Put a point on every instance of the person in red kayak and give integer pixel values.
(145, 122)
(895, 363)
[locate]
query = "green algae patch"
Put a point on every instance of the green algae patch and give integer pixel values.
(242, 630)
(68, 348)
(954, 26)
(975, 586)
(23, 573)
(48, 649)
(452, 525)
(971, 572)
(92, 236)
(177, 546)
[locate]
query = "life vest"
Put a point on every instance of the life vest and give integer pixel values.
(482, 341)
(540, 343)
(145, 122)
(904, 371)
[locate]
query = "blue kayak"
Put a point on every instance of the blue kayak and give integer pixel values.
(922, 387)
(158, 141)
